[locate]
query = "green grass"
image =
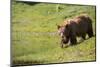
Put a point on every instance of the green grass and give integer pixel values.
(34, 40)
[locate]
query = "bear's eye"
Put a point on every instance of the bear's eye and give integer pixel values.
(67, 36)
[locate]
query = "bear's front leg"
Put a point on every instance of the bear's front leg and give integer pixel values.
(73, 40)
(61, 45)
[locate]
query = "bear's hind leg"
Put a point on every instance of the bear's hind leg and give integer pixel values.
(90, 30)
(83, 37)
(90, 33)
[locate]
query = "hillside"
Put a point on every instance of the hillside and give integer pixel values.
(34, 37)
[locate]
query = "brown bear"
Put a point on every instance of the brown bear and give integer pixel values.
(76, 27)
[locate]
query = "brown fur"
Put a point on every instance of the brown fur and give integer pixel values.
(78, 26)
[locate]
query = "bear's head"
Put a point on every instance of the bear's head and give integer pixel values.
(64, 32)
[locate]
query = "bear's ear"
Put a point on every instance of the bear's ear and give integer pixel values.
(67, 26)
(58, 26)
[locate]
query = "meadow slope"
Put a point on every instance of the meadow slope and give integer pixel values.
(34, 37)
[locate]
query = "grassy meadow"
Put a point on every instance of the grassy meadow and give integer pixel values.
(34, 34)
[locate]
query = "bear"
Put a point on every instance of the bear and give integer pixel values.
(75, 27)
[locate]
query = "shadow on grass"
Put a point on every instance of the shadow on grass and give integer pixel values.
(27, 62)
(77, 43)
(28, 2)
